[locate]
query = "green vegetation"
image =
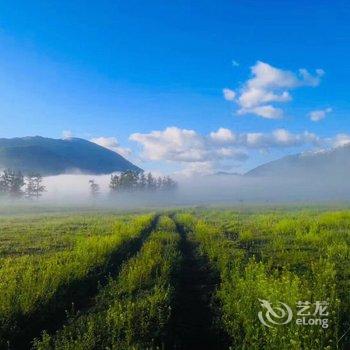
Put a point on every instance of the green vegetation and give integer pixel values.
(189, 279)
(132, 181)
(278, 258)
(33, 284)
(132, 311)
(41, 234)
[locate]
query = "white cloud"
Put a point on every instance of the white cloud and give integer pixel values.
(262, 141)
(235, 63)
(171, 144)
(280, 138)
(195, 151)
(267, 76)
(205, 154)
(310, 80)
(341, 140)
(229, 94)
(223, 135)
(182, 145)
(267, 111)
(318, 115)
(112, 144)
(270, 85)
(67, 135)
(197, 169)
(255, 97)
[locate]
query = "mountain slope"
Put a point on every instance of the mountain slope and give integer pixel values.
(334, 163)
(55, 156)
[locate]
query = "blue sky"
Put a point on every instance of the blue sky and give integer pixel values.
(110, 69)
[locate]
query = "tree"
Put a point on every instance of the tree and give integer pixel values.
(130, 181)
(94, 188)
(151, 182)
(114, 183)
(159, 184)
(34, 186)
(127, 181)
(4, 186)
(11, 183)
(168, 184)
(142, 182)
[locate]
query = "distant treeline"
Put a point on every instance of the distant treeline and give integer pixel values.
(130, 181)
(15, 185)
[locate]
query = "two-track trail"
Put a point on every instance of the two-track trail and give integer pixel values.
(77, 296)
(192, 325)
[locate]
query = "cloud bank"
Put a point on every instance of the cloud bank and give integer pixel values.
(204, 154)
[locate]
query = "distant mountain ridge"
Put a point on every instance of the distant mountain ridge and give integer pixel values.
(49, 156)
(333, 163)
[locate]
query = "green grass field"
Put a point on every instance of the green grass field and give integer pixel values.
(175, 279)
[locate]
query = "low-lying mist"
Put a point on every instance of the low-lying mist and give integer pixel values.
(216, 189)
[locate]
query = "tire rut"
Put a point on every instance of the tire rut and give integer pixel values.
(78, 296)
(192, 325)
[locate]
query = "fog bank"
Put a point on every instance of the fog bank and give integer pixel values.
(215, 189)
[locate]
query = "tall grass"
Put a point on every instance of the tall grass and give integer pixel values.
(133, 310)
(263, 262)
(30, 283)
(36, 234)
(277, 256)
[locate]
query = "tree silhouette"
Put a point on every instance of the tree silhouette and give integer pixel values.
(11, 183)
(114, 183)
(151, 182)
(130, 181)
(94, 188)
(34, 187)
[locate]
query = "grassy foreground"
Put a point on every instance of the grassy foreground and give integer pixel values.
(188, 279)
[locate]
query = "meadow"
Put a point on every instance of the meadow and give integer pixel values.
(219, 278)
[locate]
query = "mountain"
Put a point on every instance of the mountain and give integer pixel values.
(56, 156)
(328, 164)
